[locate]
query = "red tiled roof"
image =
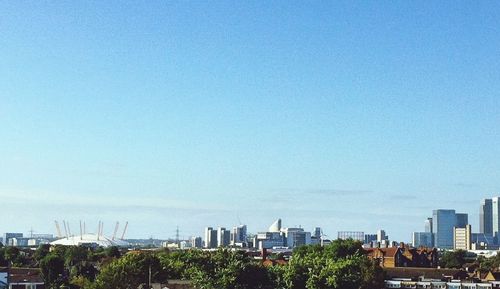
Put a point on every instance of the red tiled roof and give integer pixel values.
(23, 275)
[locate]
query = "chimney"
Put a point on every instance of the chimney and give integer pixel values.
(264, 254)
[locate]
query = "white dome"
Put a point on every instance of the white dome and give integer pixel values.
(90, 239)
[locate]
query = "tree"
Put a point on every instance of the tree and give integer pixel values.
(12, 255)
(42, 251)
(52, 267)
(453, 259)
(112, 252)
(130, 271)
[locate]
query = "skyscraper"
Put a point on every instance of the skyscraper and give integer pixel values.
(223, 237)
(423, 239)
(443, 222)
(239, 235)
(428, 225)
(210, 237)
(495, 215)
(486, 217)
(381, 236)
(462, 220)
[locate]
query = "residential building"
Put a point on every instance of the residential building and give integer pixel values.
(21, 278)
(423, 239)
(404, 256)
(486, 217)
(210, 238)
(462, 238)
(239, 236)
(358, 236)
(223, 237)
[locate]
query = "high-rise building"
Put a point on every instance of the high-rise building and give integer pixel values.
(196, 242)
(381, 236)
(495, 215)
(462, 238)
(223, 237)
(423, 239)
(370, 238)
(443, 222)
(295, 237)
(428, 225)
(317, 233)
(239, 235)
(462, 220)
(210, 238)
(486, 217)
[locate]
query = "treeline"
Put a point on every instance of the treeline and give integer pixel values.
(341, 264)
(461, 259)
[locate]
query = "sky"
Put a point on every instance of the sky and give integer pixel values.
(349, 115)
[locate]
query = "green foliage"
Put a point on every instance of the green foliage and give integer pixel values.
(340, 265)
(112, 252)
(130, 271)
(53, 273)
(488, 264)
(453, 259)
(13, 256)
(41, 252)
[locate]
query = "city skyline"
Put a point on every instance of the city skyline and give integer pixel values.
(347, 116)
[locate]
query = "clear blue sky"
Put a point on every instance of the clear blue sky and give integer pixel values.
(346, 115)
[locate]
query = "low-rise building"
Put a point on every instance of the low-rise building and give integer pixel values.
(404, 256)
(21, 278)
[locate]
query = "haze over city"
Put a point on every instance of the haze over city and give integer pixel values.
(343, 115)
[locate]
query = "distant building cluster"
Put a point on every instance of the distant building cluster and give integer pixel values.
(275, 237)
(447, 229)
(19, 240)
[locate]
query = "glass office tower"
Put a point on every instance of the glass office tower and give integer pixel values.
(443, 222)
(486, 217)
